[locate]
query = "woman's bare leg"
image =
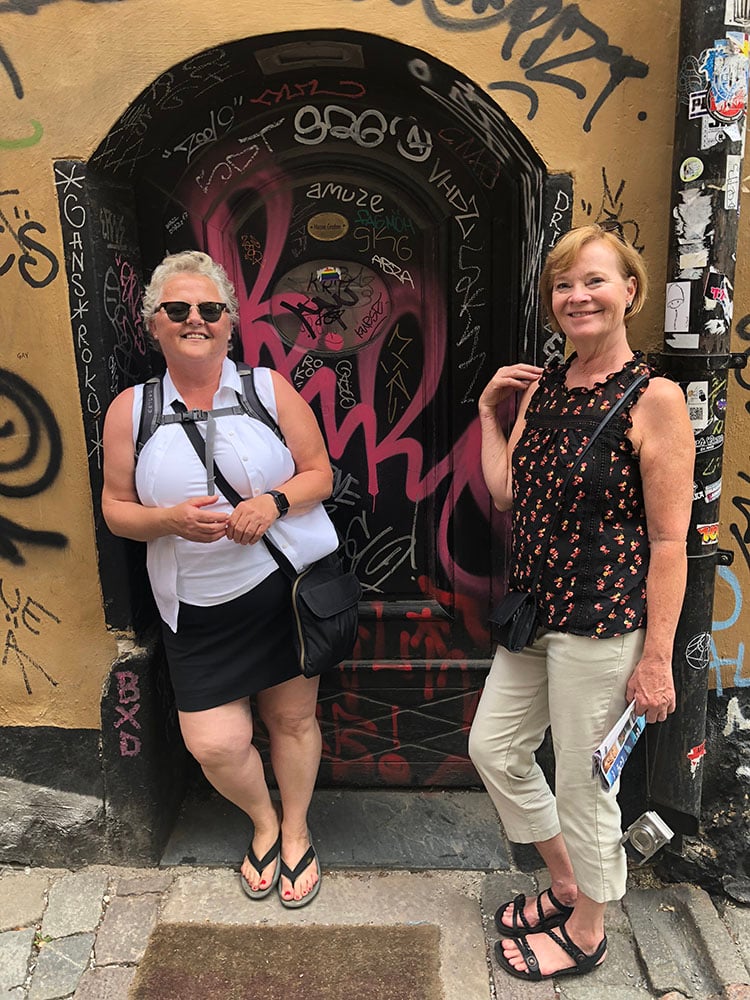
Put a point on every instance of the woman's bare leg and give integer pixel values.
(289, 713)
(562, 881)
(220, 739)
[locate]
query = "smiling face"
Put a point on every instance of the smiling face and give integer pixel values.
(193, 340)
(589, 299)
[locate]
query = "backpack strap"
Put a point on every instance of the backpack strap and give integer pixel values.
(150, 413)
(248, 402)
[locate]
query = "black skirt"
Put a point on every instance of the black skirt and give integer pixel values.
(232, 650)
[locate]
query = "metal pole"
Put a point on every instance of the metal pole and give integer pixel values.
(709, 145)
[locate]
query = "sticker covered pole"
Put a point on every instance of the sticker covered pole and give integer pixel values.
(709, 144)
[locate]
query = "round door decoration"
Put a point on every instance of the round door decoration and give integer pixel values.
(330, 306)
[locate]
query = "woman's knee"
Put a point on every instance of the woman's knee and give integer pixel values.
(478, 749)
(296, 725)
(213, 748)
(491, 755)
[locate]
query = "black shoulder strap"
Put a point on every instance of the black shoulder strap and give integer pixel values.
(150, 412)
(552, 525)
(153, 401)
(250, 401)
(196, 440)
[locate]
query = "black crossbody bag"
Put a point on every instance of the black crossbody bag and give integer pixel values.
(516, 618)
(325, 599)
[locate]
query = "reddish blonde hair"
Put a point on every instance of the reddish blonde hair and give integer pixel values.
(565, 252)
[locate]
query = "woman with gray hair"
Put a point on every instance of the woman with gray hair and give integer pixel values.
(225, 605)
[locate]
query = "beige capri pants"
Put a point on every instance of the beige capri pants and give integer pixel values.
(575, 685)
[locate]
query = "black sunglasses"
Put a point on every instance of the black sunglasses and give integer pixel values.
(178, 312)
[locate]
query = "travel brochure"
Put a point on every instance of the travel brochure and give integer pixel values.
(609, 757)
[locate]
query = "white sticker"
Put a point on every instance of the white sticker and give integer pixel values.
(712, 491)
(677, 307)
(683, 341)
(696, 395)
(737, 13)
(732, 189)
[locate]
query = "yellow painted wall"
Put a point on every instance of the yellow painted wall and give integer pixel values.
(71, 68)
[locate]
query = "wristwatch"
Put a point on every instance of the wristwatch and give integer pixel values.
(282, 504)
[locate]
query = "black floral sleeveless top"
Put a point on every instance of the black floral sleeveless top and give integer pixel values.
(593, 581)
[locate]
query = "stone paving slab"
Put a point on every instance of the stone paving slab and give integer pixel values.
(60, 965)
(22, 898)
(75, 902)
(136, 883)
(737, 920)
(15, 949)
(125, 930)
(683, 942)
(111, 983)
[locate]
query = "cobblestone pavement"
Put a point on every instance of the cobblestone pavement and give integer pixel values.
(82, 934)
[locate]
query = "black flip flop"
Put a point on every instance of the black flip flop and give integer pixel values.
(293, 874)
(259, 864)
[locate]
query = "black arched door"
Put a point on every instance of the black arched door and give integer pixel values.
(383, 223)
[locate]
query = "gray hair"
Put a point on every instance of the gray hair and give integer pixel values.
(188, 262)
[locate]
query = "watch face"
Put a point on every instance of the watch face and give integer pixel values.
(282, 504)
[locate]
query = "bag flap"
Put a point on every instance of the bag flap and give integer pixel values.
(505, 610)
(331, 596)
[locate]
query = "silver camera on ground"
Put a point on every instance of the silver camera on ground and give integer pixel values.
(645, 836)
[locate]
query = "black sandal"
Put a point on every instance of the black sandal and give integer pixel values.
(521, 925)
(259, 864)
(584, 963)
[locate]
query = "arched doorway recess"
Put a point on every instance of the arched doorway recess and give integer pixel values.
(384, 224)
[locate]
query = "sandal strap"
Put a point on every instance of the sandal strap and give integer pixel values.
(562, 907)
(518, 915)
(583, 961)
(294, 873)
(529, 957)
(260, 863)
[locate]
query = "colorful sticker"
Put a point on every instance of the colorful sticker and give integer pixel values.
(691, 169)
(328, 273)
(726, 66)
(695, 756)
(709, 533)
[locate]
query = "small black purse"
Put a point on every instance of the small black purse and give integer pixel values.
(515, 619)
(325, 606)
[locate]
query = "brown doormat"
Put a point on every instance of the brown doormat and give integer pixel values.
(223, 962)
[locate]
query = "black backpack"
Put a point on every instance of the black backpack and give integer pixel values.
(153, 400)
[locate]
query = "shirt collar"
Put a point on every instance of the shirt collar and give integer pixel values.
(229, 384)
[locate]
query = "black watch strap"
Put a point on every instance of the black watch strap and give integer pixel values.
(282, 504)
